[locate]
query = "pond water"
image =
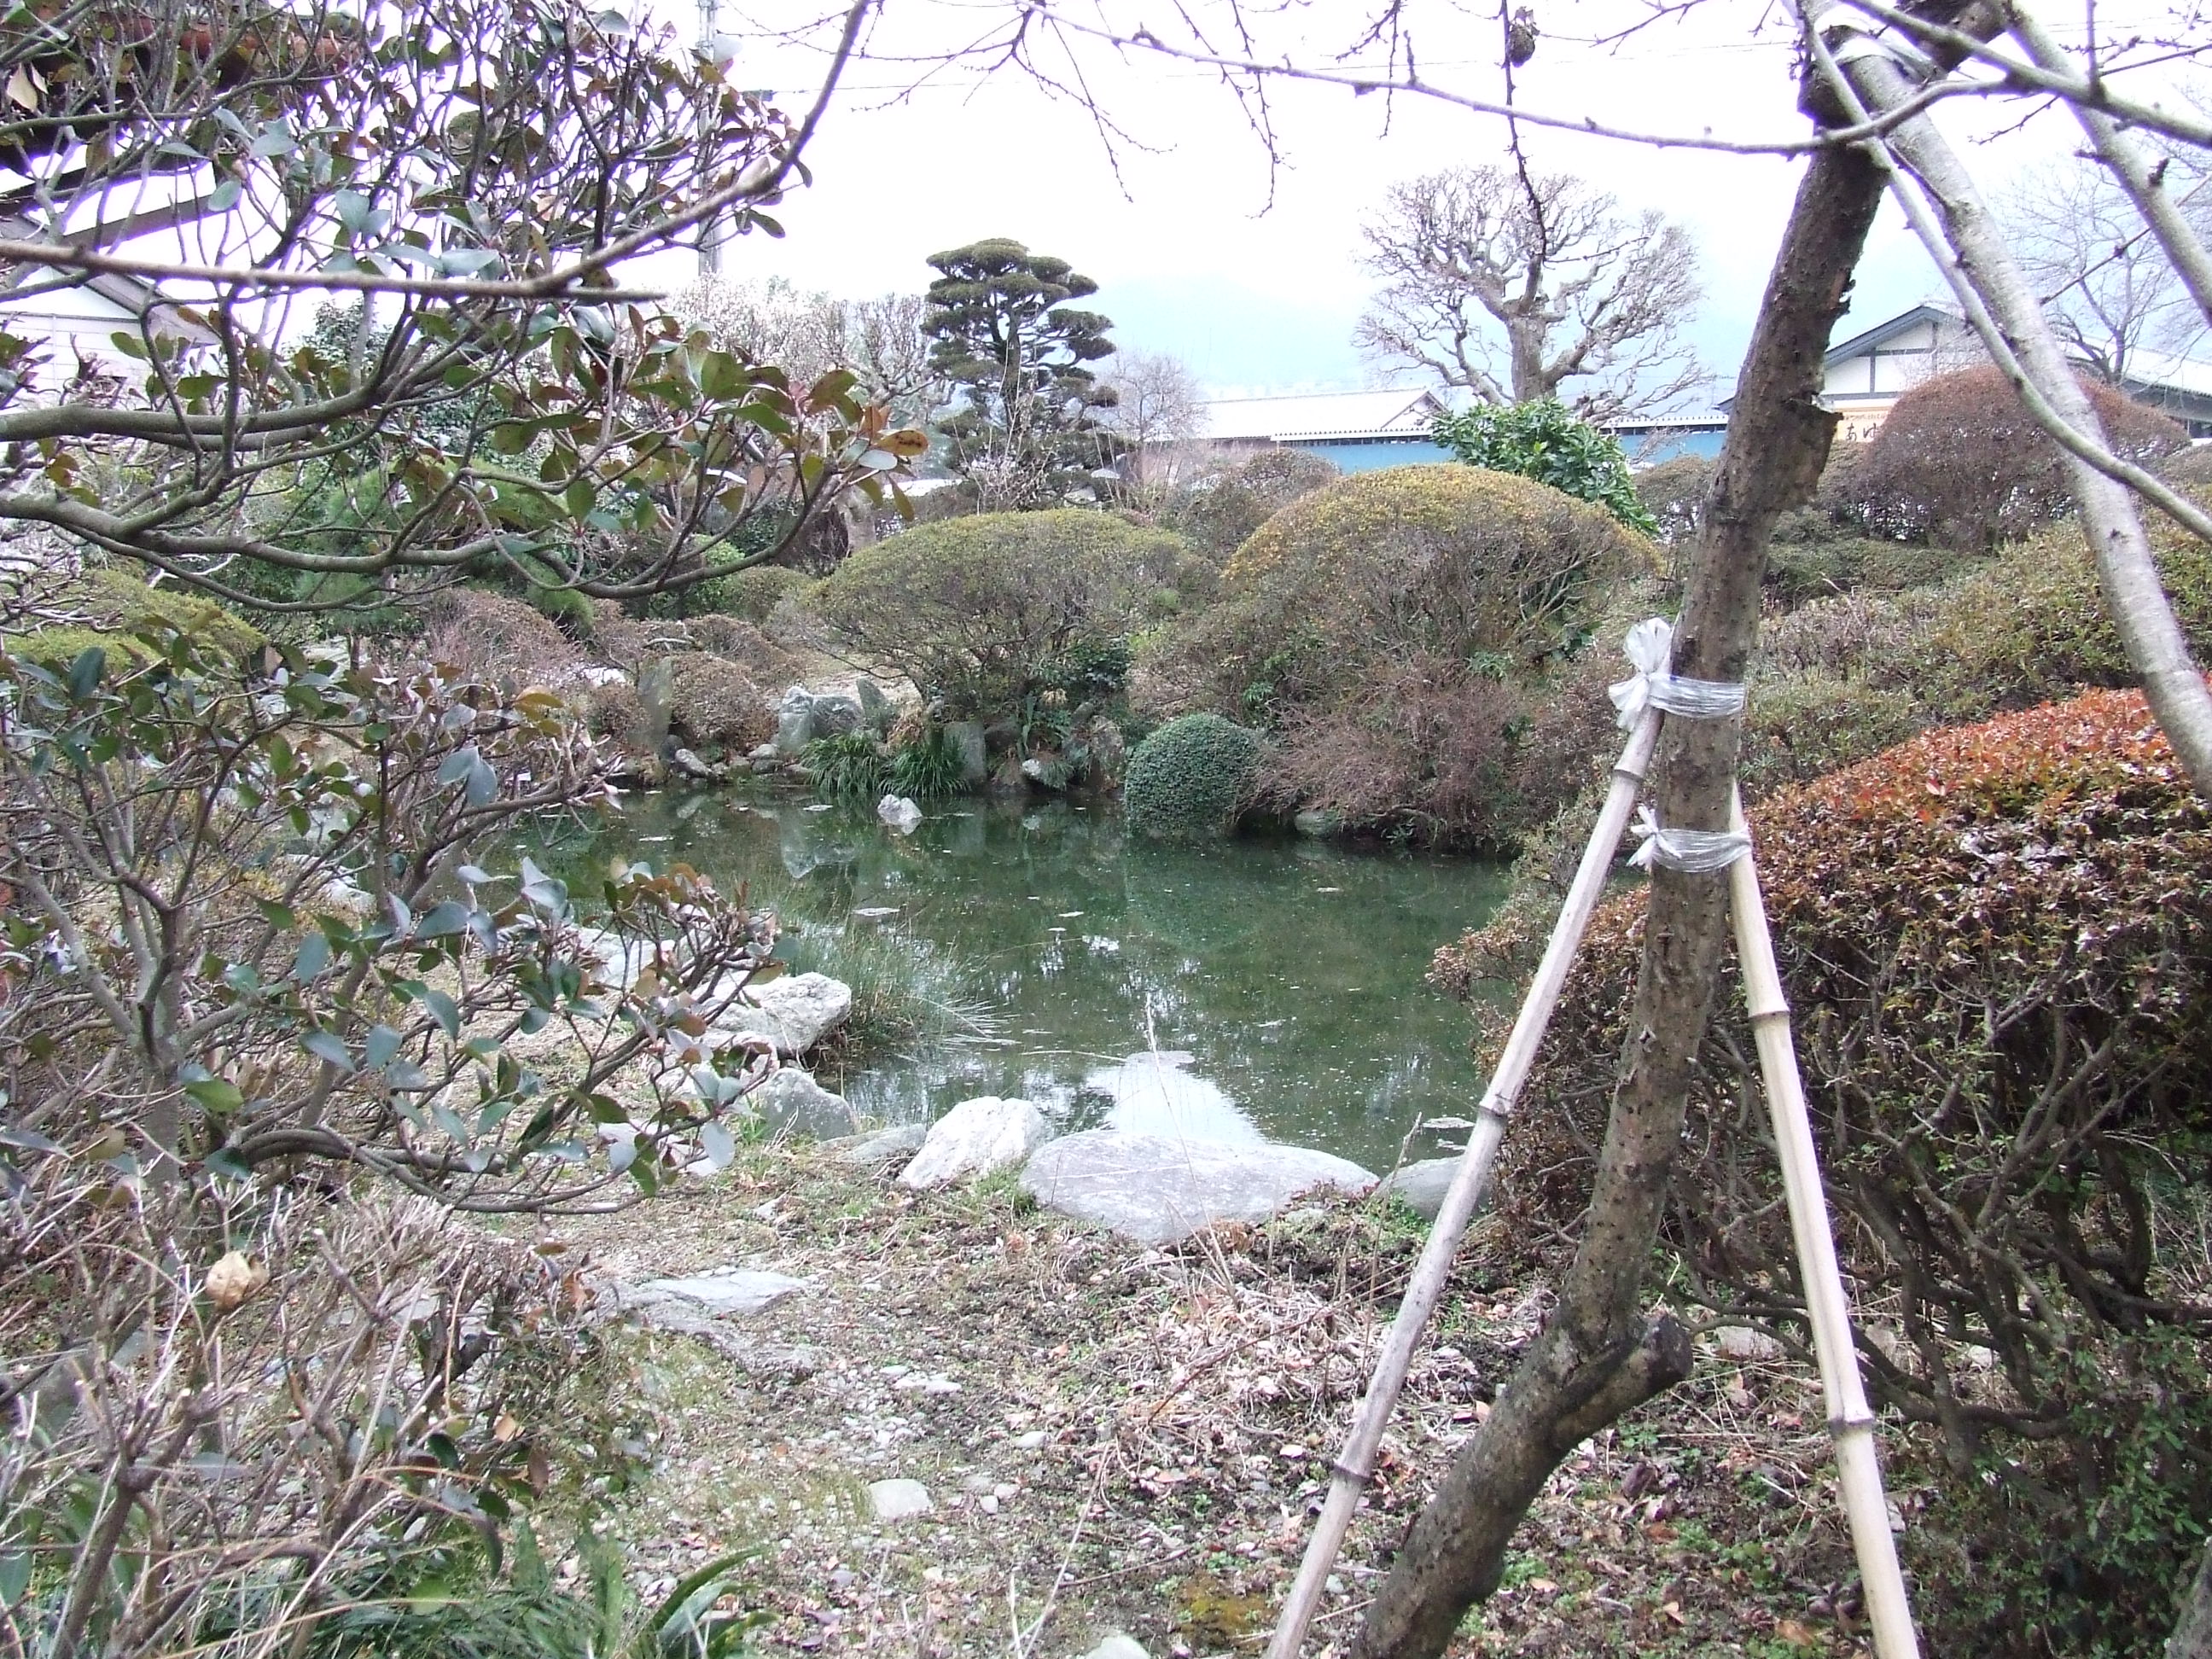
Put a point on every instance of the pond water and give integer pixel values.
(1251, 989)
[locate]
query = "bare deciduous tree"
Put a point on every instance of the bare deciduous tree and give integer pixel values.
(1158, 411)
(2108, 286)
(1520, 288)
(878, 341)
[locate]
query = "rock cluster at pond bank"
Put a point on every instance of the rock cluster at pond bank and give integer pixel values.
(1148, 1188)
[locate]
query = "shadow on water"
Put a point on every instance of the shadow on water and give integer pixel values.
(1251, 989)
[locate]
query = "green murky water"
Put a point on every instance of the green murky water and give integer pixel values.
(1251, 989)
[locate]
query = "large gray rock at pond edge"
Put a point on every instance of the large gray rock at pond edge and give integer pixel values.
(1155, 1190)
(621, 960)
(1421, 1187)
(834, 715)
(794, 1103)
(974, 752)
(794, 1013)
(875, 708)
(975, 1138)
(794, 720)
(866, 1151)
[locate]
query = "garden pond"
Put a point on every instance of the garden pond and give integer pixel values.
(1254, 989)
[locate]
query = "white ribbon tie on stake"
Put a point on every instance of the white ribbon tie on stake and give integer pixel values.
(1693, 851)
(1649, 646)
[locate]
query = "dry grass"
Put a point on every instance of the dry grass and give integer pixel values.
(1188, 1401)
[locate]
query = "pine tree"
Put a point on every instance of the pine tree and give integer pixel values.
(1024, 431)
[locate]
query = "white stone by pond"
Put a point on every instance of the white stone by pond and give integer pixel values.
(1156, 1190)
(795, 1012)
(1257, 990)
(973, 1139)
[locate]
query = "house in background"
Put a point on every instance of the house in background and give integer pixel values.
(75, 323)
(1356, 431)
(1867, 374)
(1362, 431)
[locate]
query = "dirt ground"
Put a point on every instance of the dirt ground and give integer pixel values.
(1117, 1439)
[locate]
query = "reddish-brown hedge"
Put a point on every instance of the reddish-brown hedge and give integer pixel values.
(1959, 462)
(1968, 926)
(1997, 943)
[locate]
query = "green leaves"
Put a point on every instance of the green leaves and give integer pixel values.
(1543, 441)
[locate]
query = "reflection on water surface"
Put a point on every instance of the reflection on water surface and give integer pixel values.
(1251, 989)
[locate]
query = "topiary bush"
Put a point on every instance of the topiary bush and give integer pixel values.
(751, 595)
(1959, 462)
(1190, 779)
(1404, 632)
(1842, 678)
(983, 613)
(107, 608)
(498, 636)
(1219, 514)
(714, 702)
(2000, 941)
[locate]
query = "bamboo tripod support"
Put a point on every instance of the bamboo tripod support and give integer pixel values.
(1850, 1423)
(1470, 1185)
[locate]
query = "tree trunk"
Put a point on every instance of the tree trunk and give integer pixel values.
(1600, 1354)
(2192, 1634)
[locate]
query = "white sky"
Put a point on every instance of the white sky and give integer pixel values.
(1190, 255)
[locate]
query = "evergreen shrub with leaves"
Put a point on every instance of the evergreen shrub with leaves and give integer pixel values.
(983, 613)
(1544, 442)
(1190, 779)
(1410, 635)
(1999, 938)
(1845, 678)
(847, 767)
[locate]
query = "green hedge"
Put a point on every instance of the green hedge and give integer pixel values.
(1190, 779)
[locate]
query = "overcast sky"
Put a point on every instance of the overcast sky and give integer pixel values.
(1256, 282)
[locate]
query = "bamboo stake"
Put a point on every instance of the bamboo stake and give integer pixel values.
(1851, 1423)
(1470, 1185)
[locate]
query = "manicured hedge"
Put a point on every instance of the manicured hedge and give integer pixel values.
(1998, 941)
(1189, 780)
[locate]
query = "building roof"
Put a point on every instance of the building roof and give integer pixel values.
(1320, 414)
(2162, 371)
(1881, 333)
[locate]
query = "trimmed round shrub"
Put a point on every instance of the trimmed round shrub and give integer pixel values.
(1222, 512)
(1469, 566)
(751, 594)
(1959, 461)
(984, 613)
(1999, 941)
(1842, 678)
(1402, 631)
(111, 606)
(616, 712)
(713, 700)
(1190, 779)
(497, 634)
